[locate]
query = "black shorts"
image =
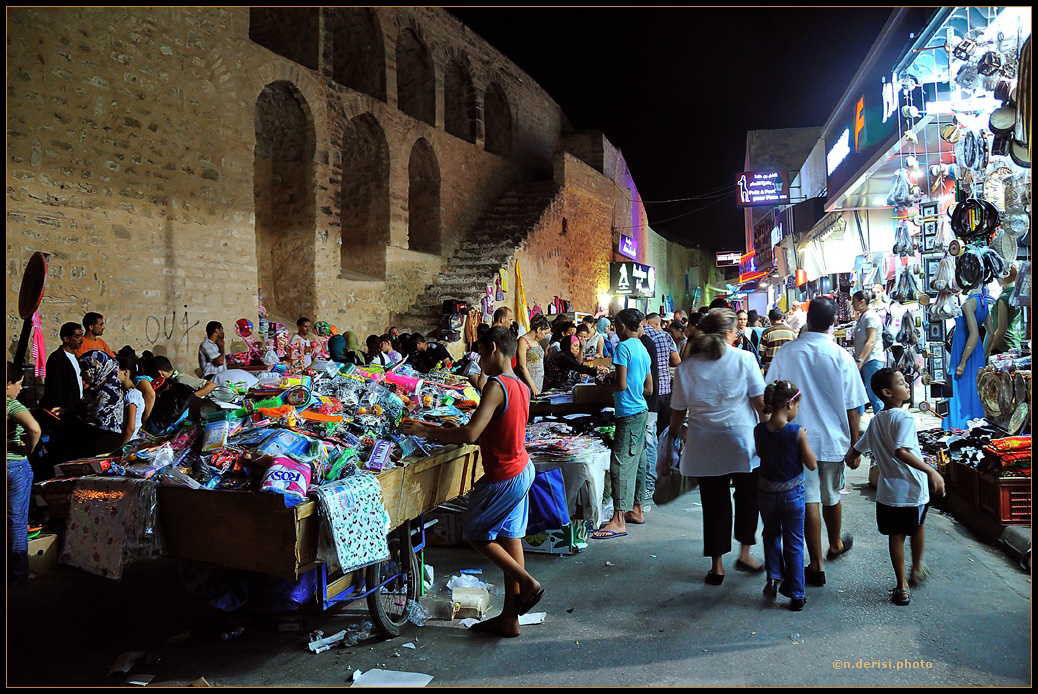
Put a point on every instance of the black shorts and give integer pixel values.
(900, 520)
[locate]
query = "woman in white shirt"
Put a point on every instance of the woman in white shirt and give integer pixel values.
(722, 390)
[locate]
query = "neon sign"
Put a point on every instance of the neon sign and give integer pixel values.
(763, 188)
(839, 151)
(748, 267)
(628, 247)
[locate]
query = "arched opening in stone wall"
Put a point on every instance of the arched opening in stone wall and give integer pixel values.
(415, 78)
(289, 31)
(364, 206)
(497, 115)
(358, 51)
(460, 108)
(423, 199)
(283, 180)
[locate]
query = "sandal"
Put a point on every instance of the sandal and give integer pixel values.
(919, 573)
(900, 596)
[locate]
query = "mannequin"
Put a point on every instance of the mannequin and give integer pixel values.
(1005, 322)
(966, 359)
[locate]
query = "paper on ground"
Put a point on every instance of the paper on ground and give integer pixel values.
(327, 641)
(388, 678)
(532, 618)
(139, 680)
(409, 645)
(466, 581)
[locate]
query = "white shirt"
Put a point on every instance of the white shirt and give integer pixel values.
(79, 374)
(208, 351)
(830, 383)
(869, 319)
(307, 345)
(899, 484)
(796, 320)
(135, 397)
(717, 395)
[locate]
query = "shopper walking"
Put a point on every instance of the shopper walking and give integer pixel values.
(631, 383)
(832, 393)
(784, 454)
(721, 389)
(666, 356)
(778, 334)
(869, 354)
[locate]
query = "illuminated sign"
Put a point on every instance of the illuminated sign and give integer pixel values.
(728, 258)
(838, 152)
(628, 247)
(632, 279)
(763, 188)
(748, 267)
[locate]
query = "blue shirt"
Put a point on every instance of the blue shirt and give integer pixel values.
(779, 452)
(632, 354)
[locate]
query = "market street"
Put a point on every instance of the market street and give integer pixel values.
(646, 620)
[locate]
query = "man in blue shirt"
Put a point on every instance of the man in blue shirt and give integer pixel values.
(631, 383)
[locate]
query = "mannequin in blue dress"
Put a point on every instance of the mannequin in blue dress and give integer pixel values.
(966, 357)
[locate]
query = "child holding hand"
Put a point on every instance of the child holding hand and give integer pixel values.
(784, 453)
(902, 492)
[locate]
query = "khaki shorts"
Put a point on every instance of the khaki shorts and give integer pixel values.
(824, 484)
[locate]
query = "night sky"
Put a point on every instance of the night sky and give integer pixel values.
(677, 89)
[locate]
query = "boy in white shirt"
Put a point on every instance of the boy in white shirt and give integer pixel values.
(902, 493)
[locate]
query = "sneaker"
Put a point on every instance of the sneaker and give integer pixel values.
(797, 604)
(771, 588)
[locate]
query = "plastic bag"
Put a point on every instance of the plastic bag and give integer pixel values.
(161, 458)
(899, 195)
(548, 509)
(944, 279)
(945, 306)
(288, 478)
(1022, 292)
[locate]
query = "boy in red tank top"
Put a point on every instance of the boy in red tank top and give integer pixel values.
(498, 508)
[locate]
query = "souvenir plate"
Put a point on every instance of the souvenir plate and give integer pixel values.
(1019, 389)
(988, 392)
(1019, 418)
(1005, 394)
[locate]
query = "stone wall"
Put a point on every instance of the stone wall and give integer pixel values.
(175, 162)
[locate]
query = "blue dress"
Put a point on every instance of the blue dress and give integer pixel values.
(965, 403)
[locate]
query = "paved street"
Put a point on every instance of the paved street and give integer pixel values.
(647, 620)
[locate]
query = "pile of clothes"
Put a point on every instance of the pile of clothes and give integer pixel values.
(1008, 457)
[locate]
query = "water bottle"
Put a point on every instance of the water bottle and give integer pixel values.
(416, 614)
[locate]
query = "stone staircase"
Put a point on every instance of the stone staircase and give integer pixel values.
(487, 248)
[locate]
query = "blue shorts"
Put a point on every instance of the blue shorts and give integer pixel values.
(499, 509)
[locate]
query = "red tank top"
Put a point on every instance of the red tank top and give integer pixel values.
(503, 442)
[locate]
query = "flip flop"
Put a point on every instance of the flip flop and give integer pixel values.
(606, 534)
(486, 627)
(848, 542)
(531, 601)
(740, 565)
(633, 522)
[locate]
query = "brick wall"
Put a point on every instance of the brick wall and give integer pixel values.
(176, 162)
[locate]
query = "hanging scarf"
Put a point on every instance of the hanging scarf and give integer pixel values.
(103, 402)
(39, 350)
(522, 313)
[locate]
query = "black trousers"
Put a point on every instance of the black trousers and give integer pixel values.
(663, 421)
(716, 496)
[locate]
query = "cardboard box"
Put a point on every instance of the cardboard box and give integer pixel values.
(592, 394)
(470, 602)
(447, 530)
(56, 495)
(569, 539)
(84, 466)
(43, 553)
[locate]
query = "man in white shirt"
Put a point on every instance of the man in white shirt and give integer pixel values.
(211, 357)
(832, 393)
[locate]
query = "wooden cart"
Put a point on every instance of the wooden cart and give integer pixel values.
(257, 532)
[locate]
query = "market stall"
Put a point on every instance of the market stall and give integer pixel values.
(305, 477)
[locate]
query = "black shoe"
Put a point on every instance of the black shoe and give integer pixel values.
(848, 542)
(784, 591)
(814, 578)
(713, 579)
(740, 565)
(797, 604)
(770, 588)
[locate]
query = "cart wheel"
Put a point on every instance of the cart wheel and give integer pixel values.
(389, 604)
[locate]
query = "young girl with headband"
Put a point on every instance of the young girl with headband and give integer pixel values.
(784, 453)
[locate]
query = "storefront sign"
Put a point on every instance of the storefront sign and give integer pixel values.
(728, 258)
(757, 188)
(627, 247)
(632, 279)
(867, 123)
(763, 231)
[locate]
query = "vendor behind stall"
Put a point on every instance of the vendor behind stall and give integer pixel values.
(499, 505)
(563, 368)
